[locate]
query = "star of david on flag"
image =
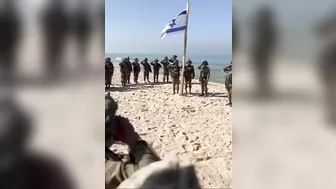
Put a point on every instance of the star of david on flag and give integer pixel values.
(177, 24)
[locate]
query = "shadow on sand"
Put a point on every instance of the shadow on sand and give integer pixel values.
(223, 95)
(133, 87)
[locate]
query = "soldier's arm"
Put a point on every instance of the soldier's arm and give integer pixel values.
(193, 72)
(141, 155)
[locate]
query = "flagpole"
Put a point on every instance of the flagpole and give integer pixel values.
(185, 49)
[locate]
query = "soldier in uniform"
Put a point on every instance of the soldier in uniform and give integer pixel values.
(129, 70)
(228, 82)
(327, 66)
(156, 67)
(141, 154)
(204, 77)
(147, 69)
(189, 75)
(10, 34)
(123, 71)
(136, 69)
(174, 59)
(165, 64)
(175, 74)
(109, 70)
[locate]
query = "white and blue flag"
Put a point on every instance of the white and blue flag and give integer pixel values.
(178, 24)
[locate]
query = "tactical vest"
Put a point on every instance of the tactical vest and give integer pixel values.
(187, 71)
(205, 72)
(175, 71)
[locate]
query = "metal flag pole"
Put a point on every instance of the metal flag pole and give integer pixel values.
(185, 49)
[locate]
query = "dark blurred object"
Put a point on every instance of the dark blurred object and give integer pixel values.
(263, 49)
(18, 167)
(56, 27)
(111, 108)
(10, 33)
(102, 24)
(327, 62)
(82, 31)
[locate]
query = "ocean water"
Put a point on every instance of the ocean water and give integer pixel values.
(216, 62)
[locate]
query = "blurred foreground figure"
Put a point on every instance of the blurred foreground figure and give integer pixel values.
(234, 37)
(143, 168)
(10, 33)
(327, 62)
(56, 27)
(263, 48)
(120, 129)
(82, 32)
(19, 167)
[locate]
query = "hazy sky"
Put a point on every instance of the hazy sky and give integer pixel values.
(133, 26)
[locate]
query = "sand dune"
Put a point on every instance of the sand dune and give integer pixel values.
(194, 128)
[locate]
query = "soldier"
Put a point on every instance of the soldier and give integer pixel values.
(175, 74)
(327, 65)
(189, 74)
(31, 168)
(147, 69)
(140, 155)
(165, 64)
(156, 68)
(109, 70)
(228, 82)
(129, 70)
(204, 77)
(56, 27)
(174, 59)
(136, 69)
(10, 34)
(123, 71)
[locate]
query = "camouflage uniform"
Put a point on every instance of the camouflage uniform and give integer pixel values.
(136, 70)
(175, 74)
(109, 70)
(165, 64)
(189, 74)
(123, 72)
(147, 69)
(228, 81)
(204, 77)
(129, 70)
(156, 69)
(140, 155)
(116, 171)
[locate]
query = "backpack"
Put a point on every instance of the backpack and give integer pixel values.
(175, 71)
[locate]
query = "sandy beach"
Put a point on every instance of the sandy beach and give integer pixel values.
(196, 129)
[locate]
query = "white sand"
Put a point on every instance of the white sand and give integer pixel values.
(194, 128)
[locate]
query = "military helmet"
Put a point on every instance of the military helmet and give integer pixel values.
(156, 60)
(166, 57)
(136, 59)
(124, 59)
(174, 56)
(189, 61)
(205, 62)
(146, 59)
(107, 59)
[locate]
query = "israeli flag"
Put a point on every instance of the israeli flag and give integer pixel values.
(178, 24)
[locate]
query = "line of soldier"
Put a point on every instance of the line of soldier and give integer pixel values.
(170, 68)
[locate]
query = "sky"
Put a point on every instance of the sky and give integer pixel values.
(134, 26)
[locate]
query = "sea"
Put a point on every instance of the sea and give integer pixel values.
(216, 62)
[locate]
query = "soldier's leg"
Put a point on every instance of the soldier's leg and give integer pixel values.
(157, 77)
(206, 88)
(185, 84)
(178, 84)
(173, 86)
(189, 81)
(202, 86)
(144, 76)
